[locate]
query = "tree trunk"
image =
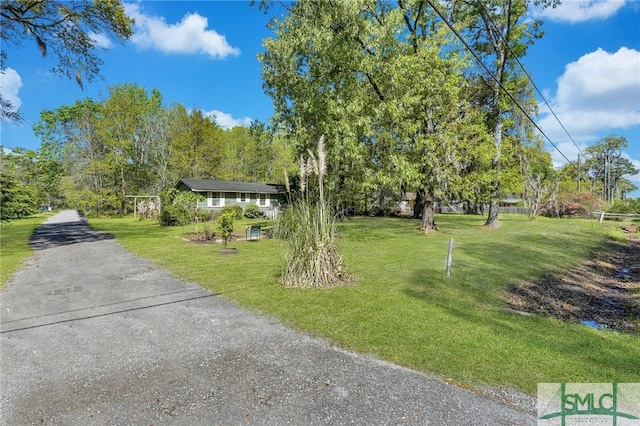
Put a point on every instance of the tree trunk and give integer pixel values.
(473, 207)
(428, 222)
(492, 218)
(419, 205)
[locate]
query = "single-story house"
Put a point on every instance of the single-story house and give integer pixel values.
(220, 193)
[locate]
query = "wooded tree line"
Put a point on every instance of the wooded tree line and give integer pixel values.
(403, 105)
(95, 153)
(407, 105)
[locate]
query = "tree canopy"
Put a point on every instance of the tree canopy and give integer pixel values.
(130, 143)
(66, 28)
(399, 98)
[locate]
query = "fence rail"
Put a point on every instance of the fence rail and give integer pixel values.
(503, 209)
(605, 215)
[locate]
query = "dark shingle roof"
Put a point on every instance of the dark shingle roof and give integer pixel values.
(204, 185)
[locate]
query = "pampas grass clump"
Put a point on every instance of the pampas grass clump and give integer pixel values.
(311, 258)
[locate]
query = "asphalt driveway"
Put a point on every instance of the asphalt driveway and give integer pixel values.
(92, 335)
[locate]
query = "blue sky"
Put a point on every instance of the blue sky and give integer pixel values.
(202, 54)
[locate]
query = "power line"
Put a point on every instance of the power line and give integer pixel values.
(495, 78)
(528, 76)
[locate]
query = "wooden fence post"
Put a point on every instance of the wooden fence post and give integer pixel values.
(450, 256)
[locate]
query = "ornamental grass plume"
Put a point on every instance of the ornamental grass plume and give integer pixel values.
(312, 258)
(303, 175)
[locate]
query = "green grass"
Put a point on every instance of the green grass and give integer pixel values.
(403, 308)
(14, 245)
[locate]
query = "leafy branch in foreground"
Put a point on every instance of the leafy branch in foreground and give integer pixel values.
(75, 31)
(311, 257)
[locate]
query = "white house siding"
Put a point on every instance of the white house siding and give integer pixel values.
(233, 198)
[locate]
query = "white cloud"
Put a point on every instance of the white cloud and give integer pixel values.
(189, 36)
(597, 93)
(602, 80)
(226, 121)
(10, 84)
(101, 40)
(574, 11)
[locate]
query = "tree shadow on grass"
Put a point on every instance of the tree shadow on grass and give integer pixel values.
(605, 290)
(534, 343)
(50, 235)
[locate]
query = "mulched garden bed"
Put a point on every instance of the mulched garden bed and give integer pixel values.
(603, 292)
(204, 238)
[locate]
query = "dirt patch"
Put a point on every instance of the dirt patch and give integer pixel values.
(228, 250)
(604, 290)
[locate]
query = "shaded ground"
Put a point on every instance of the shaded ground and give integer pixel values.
(604, 289)
(56, 233)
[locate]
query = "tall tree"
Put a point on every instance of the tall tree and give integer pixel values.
(382, 82)
(68, 29)
(539, 178)
(198, 150)
(124, 128)
(500, 32)
(608, 167)
(70, 136)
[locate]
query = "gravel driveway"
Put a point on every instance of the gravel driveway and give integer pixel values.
(92, 335)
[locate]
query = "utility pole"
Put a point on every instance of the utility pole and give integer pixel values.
(578, 173)
(605, 188)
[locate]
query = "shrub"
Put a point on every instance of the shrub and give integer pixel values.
(237, 211)
(626, 207)
(173, 215)
(208, 215)
(252, 211)
(574, 205)
(209, 235)
(225, 224)
(16, 200)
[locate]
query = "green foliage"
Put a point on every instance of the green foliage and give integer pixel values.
(208, 215)
(252, 211)
(66, 29)
(189, 202)
(235, 209)
(225, 225)
(130, 144)
(16, 201)
(500, 34)
(387, 83)
(188, 199)
(629, 206)
(32, 174)
(173, 215)
(608, 168)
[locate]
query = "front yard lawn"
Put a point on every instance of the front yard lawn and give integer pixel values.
(405, 309)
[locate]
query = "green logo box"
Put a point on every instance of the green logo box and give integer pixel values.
(589, 404)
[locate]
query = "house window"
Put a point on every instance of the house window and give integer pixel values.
(215, 199)
(263, 199)
(242, 197)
